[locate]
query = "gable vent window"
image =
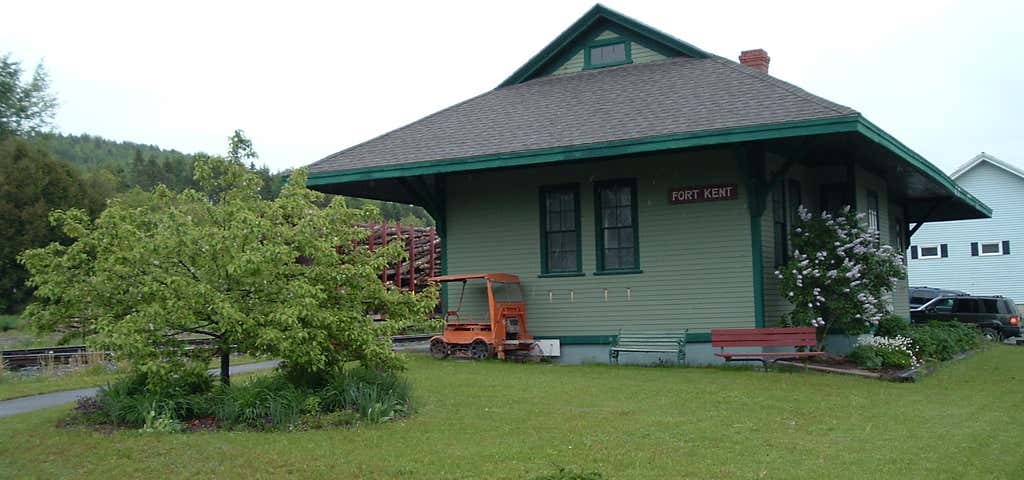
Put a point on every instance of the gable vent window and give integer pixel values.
(925, 252)
(990, 248)
(606, 54)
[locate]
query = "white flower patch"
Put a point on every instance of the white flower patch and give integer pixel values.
(898, 343)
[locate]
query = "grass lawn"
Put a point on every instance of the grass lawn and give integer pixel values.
(14, 386)
(500, 420)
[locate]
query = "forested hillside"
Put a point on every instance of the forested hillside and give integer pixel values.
(42, 171)
(132, 165)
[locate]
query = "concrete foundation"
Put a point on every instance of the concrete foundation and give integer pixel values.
(697, 354)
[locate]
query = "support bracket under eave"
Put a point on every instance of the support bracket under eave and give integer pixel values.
(931, 211)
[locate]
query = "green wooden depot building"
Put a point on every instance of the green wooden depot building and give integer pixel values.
(635, 181)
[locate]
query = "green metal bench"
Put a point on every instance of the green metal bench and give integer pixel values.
(648, 342)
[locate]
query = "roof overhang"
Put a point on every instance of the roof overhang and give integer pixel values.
(948, 201)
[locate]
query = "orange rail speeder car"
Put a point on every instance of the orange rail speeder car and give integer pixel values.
(489, 318)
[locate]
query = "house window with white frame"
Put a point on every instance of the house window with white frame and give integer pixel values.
(929, 251)
(990, 248)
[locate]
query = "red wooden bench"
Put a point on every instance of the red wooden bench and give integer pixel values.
(763, 337)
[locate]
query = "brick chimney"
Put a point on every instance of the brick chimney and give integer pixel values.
(757, 59)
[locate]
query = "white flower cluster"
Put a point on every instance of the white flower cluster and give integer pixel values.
(848, 273)
(898, 343)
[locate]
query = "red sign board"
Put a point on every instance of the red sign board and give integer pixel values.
(702, 193)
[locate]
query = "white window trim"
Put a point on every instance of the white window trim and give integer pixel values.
(981, 250)
(922, 256)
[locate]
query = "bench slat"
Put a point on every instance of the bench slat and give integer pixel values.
(779, 354)
(764, 343)
(763, 337)
(765, 331)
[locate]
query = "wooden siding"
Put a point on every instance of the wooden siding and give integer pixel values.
(695, 258)
(642, 54)
(980, 275)
(573, 65)
(606, 34)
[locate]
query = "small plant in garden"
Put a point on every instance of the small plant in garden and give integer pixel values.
(876, 352)
(839, 274)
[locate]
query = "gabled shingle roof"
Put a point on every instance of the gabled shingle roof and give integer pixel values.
(671, 96)
(984, 157)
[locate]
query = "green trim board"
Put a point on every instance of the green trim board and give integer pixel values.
(599, 225)
(627, 271)
(545, 267)
(608, 339)
(847, 123)
(751, 159)
(570, 39)
(588, 63)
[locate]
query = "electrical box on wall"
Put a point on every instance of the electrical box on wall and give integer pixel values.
(549, 348)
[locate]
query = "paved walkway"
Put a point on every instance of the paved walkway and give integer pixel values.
(46, 400)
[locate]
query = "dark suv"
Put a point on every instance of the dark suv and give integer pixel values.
(922, 295)
(996, 316)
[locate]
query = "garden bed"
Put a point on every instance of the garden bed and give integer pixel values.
(844, 366)
(283, 400)
(900, 352)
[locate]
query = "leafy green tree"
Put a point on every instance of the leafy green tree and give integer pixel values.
(283, 278)
(26, 107)
(32, 183)
(240, 149)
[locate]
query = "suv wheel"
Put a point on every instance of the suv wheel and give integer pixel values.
(991, 334)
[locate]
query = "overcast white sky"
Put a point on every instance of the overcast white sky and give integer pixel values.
(305, 79)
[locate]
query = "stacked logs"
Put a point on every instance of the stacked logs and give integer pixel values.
(422, 246)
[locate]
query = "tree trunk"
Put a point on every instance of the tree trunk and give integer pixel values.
(225, 366)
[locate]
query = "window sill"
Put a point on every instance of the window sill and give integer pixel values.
(603, 65)
(561, 275)
(619, 272)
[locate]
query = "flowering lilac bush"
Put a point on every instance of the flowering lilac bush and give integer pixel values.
(839, 274)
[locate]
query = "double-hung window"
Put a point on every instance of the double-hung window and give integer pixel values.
(617, 236)
(873, 211)
(560, 230)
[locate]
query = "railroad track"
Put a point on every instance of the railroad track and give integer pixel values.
(64, 355)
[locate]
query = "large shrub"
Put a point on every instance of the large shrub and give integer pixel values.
(944, 340)
(839, 274)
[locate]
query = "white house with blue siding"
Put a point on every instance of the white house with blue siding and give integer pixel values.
(982, 256)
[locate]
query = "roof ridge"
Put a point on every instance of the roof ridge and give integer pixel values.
(784, 85)
(398, 129)
(986, 157)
